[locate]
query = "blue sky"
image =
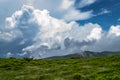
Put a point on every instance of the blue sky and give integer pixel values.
(35, 28)
(106, 20)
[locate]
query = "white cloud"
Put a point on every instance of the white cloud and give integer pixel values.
(84, 3)
(57, 8)
(66, 4)
(30, 2)
(109, 41)
(71, 14)
(9, 54)
(95, 34)
(9, 36)
(38, 34)
(78, 15)
(62, 8)
(115, 30)
(5, 5)
(118, 19)
(104, 11)
(46, 33)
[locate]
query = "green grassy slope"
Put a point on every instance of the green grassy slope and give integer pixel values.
(100, 68)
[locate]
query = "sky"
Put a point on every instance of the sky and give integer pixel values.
(44, 28)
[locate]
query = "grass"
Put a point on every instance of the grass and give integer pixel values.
(99, 68)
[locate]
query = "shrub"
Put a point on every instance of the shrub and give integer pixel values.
(28, 59)
(77, 77)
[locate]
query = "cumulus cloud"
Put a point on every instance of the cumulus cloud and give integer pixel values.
(45, 33)
(32, 32)
(109, 40)
(115, 30)
(5, 5)
(62, 8)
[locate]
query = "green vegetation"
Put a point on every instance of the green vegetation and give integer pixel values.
(99, 68)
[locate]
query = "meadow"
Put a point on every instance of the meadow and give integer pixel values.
(97, 68)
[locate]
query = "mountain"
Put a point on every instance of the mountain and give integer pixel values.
(85, 54)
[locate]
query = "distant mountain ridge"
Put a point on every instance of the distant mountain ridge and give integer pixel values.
(85, 54)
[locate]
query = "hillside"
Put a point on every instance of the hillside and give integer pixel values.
(85, 54)
(99, 68)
